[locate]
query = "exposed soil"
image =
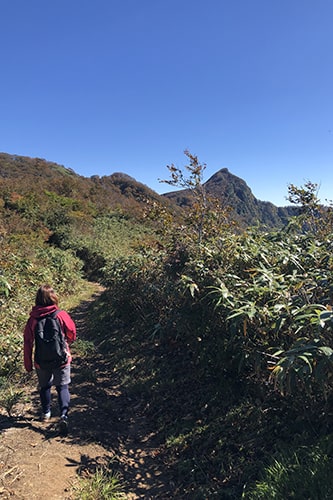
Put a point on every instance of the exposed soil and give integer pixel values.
(106, 427)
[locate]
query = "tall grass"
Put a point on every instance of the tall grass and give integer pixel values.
(102, 485)
(302, 474)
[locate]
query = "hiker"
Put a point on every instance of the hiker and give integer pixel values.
(46, 304)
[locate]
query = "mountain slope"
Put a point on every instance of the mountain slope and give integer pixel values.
(232, 191)
(23, 175)
(119, 191)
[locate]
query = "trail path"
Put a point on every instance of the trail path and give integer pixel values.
(105, 427)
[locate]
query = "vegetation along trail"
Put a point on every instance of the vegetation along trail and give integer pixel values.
(203, 369)
(108, 431)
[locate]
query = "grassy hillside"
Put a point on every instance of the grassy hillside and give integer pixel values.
(95, 218)
(25, 175)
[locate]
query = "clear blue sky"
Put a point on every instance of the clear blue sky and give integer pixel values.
(103, 86)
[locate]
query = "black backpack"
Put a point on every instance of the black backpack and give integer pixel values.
(50, 344)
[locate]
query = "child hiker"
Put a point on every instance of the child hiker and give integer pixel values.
(50, 372)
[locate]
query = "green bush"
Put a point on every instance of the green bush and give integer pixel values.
(305, 473)
(26, 267)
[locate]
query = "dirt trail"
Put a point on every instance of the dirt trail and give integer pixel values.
(105, 427)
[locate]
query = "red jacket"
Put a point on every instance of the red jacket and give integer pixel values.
(67, 326)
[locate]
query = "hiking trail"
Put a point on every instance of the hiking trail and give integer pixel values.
(106, 428)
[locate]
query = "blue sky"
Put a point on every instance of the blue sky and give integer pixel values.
(103, 86)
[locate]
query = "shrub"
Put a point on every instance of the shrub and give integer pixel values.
(304, 473)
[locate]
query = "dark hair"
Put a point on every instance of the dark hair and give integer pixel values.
(46, 296)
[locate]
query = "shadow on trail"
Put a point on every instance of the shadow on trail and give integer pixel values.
(48, 431)
(103, 412)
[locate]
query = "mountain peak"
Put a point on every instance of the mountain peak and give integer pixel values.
(232, 191)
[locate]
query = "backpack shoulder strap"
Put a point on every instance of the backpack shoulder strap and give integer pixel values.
(54, 314)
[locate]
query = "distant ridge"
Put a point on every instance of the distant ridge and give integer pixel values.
(232, 191)
(120, 190)
(23, 174)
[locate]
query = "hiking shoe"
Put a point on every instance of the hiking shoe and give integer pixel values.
(63, 426)
(46, 416)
